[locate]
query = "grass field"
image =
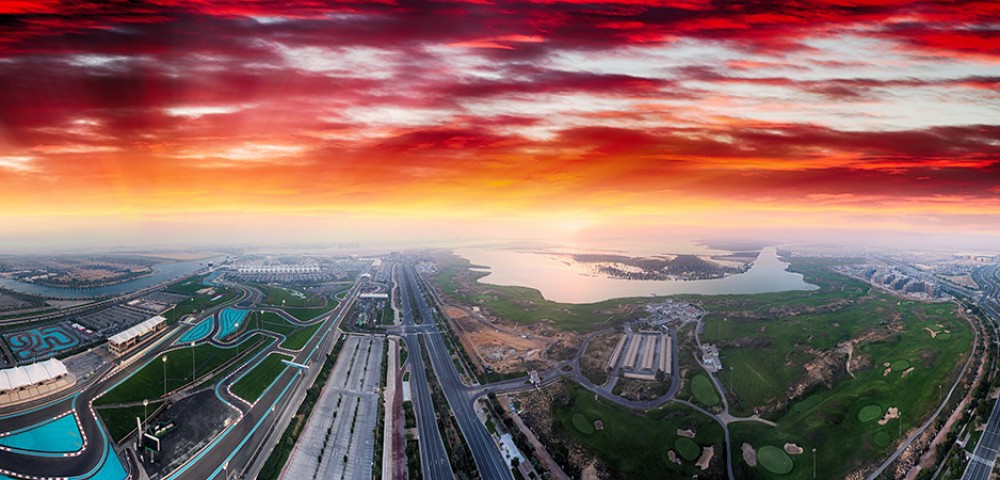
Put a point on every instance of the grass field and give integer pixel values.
(301, 337)
(289, 297)
(189, 286)
(526, 305)
(635, 445)
(121, 421)
(306, 314)
(767, 341)
(252, 385)
(200, 303)
(148, 382)
(703, 391)
(270, 322)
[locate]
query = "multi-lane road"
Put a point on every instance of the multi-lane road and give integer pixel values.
(485, 452)
(985, 455)
(434, 461)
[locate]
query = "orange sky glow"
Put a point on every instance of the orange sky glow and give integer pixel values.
(305, 121)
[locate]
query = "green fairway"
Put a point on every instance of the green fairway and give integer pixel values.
(769, 340)
(633, 444)
(301, 337)
(774, 459)
(703, 391)
(148, 382)
(869, 413)
(253, 383)
(687, 448)
(121, 421)
(582, 424)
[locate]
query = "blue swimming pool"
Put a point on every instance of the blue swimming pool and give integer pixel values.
(229, 320)
(200, 331)
(61, 435)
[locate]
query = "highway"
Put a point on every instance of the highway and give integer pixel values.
(434, 463)
(485, 452)
(985, 455)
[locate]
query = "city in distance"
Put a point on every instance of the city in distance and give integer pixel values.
(516, 240)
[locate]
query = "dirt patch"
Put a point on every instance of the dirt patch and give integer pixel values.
(890, 414)
(503, 349)
(749, 454)
(906, 372)
(594, 361)
(672, 456)
(706, 458)
(685, 433)
(793, 449)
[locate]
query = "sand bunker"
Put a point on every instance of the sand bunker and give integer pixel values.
(907, 372)
(673, 457)
(932, 332)
(887, 372)
(685, 433)
(598, 425)
(890, 414)
(749, 454)
(706, 458)
(793, 449)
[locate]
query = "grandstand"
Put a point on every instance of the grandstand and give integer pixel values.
(124, 342)
(22, 383)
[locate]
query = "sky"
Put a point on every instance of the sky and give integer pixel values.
(221, 121)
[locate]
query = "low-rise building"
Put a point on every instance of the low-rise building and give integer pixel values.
(127, 340)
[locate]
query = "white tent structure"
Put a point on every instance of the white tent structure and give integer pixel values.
(16, 378)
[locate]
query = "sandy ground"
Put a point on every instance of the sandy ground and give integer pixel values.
(890, 414)
(498, 347)
(706, 458)
(749, 454)
(793, 449)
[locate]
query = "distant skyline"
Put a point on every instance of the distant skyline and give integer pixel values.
(171, 122)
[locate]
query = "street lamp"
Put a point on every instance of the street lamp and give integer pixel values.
(145, 402)
(814, 463)
(192, 363)
(164, 375)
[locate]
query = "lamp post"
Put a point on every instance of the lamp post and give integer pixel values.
(192, 363)
(237, 339)
(145, 402)
(164, 375)
(814, 463)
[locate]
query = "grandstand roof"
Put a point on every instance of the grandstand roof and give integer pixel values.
(135, 331)
(40, 372)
